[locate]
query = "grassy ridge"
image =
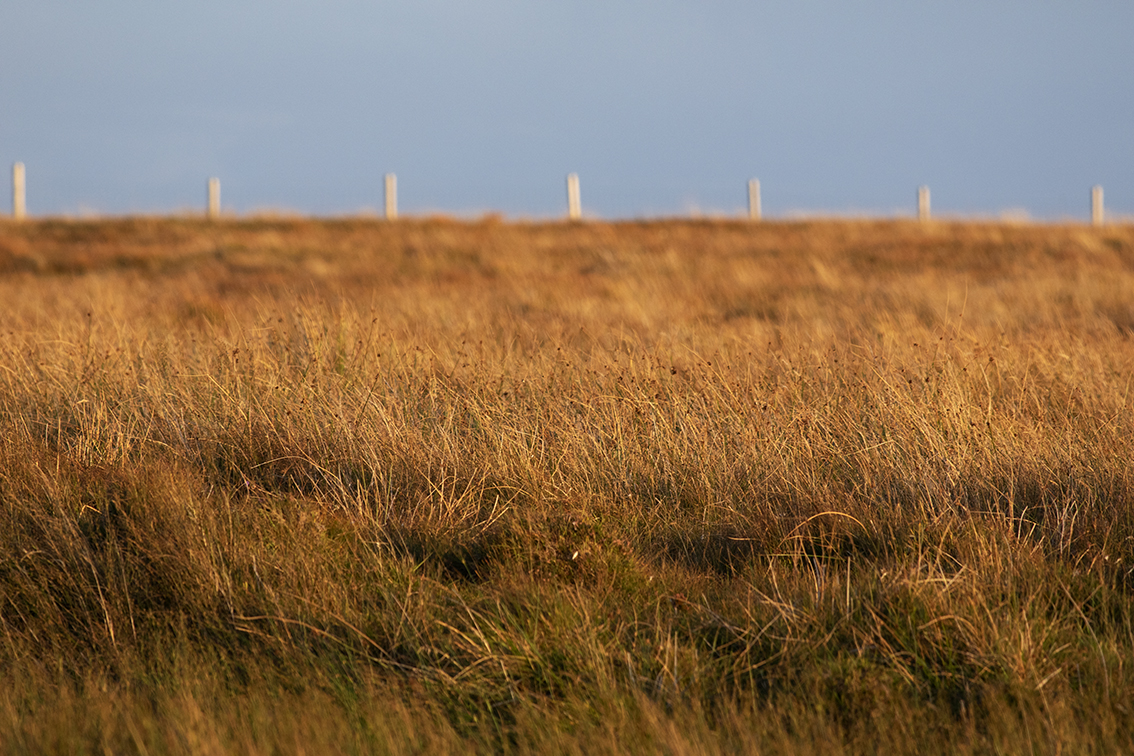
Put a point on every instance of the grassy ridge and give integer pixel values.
(294, 486)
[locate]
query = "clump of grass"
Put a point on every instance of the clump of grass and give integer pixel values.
(295, 485)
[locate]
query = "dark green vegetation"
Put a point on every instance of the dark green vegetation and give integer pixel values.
(347, 486)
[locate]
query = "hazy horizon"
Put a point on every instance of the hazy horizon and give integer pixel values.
(1004, 109)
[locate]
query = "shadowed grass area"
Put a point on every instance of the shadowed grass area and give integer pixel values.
(302, 486)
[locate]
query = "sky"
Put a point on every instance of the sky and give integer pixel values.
(662, 107)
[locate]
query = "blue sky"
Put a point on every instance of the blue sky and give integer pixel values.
(662, 107)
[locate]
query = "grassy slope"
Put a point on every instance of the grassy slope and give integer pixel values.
(305, 486)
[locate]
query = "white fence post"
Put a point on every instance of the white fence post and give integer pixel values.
(214, 198)
(923, 203)
(754, 212)
(19, 192)
(391, 196)
(1097, 212)
(574, 206)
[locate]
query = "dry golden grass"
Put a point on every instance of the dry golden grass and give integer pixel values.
(692, 487)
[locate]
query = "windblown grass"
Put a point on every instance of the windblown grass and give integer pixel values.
(692, 487)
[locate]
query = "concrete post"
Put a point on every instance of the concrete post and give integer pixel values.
(391, 197)
(754, 212)
(19, 192)
(574, 206)
(1097, 212)
(923, 203)
(214, 198)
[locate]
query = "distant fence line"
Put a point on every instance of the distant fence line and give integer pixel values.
(574, 202)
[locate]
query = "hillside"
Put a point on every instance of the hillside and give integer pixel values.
(295, 486)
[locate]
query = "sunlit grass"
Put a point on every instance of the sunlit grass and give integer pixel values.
(295, 486)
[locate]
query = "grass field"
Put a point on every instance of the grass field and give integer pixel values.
(296, 486)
